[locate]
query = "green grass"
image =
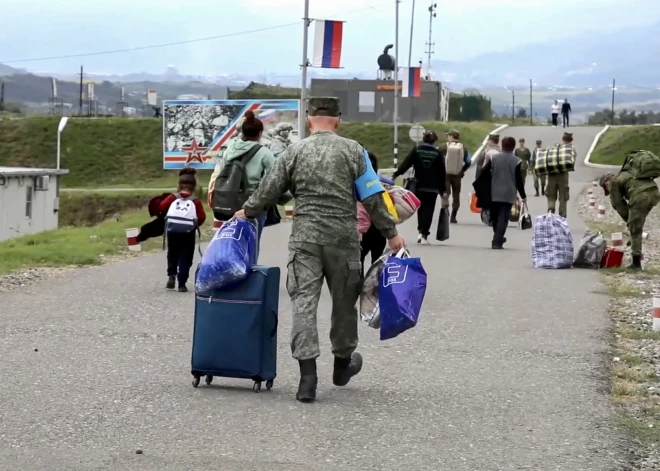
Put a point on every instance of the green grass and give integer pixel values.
(73, 245)
(89, 208)
(127, 153)
(618, 142)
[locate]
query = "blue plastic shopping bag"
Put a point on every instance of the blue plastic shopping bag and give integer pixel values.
(401, 294)
(229, 256)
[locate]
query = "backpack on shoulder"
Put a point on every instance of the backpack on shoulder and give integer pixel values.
(454, 159)
(642, 164)
(229, 191)
(182, 215)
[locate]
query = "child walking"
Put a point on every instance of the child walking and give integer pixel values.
(371, 240)
(184, 215)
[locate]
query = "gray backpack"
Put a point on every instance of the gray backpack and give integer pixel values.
(230, 191)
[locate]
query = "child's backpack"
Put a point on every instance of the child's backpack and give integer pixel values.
(455, 158)
(182, 215)
(229, 191)
(642, 164)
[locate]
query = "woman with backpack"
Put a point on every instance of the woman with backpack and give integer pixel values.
(430, 181)
(257, 160)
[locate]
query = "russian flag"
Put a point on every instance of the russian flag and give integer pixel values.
(268, 116)
(327, 44)
(411, 84)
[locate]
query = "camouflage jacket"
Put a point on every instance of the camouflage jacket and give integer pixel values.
(627, 192)
(320, 172)
(278, 145)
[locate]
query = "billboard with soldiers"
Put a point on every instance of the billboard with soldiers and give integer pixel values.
(196, 132)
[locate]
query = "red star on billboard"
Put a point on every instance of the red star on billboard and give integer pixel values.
(194, 152)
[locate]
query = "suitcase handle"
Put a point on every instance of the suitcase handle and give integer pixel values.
(274, 331)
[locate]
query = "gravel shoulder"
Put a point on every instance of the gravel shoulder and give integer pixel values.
(634, 364)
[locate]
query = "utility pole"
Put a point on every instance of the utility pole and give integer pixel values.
(430, 43)
(2, 96)
(80, 110)
(531, 111)
(412, 24)
(513, 107)
(303, 88)
(396, 83)
(612, 113)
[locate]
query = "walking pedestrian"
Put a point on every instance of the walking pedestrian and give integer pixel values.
(431, 181)
(537, 178)
(633, 199)
(565, 112)
(324, 172)
(505, 181)
(457, 161)
(554, 111)
(372, 241)
(184, 215)
(492, 148)
(558, 185)
(525, 156)
(259, 160)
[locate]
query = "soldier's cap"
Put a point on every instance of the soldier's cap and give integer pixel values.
(494, 137)
(454, 133)
(603, 180)
(538, 142)
(521, 140)
(323, 106)
(568, 135)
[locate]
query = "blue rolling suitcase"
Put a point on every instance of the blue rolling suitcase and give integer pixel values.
(235, 333)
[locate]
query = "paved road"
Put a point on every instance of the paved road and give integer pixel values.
(504, 372)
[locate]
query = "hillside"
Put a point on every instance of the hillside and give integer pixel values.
(128, 152)
(617, 142)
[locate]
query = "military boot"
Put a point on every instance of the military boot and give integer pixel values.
(636, 263)
(543, 191)
(346, 368)
(452, 219)
(537, 192)
(308, 381)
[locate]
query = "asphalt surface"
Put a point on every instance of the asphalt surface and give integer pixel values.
(504, 371)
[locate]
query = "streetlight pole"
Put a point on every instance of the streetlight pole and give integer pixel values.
(396, 84)
(531, 111)
(305, 63)
(612, 113)
(513, 107)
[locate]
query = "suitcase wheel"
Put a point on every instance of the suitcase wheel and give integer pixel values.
(256, 387)
(269, 384)
(195, 381)
(209, 380)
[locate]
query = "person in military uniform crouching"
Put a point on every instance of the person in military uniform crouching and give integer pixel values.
(633, 199)
(324, 172)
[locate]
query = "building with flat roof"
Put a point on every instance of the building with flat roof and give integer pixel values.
(29, 200)
(373, 100)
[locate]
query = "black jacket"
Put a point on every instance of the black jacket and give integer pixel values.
(565, 108)
(429, 165)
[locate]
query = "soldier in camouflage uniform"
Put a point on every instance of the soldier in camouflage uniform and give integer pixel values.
(280, 140)
(557, 187)
(525, 156)
(633, 199)
(321, 172)
(537, 178)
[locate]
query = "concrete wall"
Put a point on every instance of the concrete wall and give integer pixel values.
(373, 100)
(14, 217)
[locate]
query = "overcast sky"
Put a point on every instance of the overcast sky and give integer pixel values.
(462, 29)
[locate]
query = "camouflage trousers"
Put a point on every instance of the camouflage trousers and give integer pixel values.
(637, 214)
(307, 266)
(558, 189)
(539, 179)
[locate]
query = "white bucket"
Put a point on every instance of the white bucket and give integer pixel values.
(131, 240)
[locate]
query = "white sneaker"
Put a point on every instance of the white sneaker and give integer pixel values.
(419, 238)
(425, 241)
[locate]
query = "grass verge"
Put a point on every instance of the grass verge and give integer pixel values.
(127, 153)
(634, 382)
(618, 142)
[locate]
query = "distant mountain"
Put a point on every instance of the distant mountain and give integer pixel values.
(7, 70)
(585, 60)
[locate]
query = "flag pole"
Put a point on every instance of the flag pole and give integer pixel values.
(303, 88)
(396, 84)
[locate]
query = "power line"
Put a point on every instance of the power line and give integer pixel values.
(175, 43)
